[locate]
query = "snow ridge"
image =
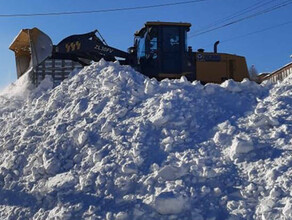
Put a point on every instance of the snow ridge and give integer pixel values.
(109, 143)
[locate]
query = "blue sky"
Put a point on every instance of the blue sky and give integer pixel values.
(267, 50)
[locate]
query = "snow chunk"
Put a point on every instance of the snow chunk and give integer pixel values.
(265, 121)
(150, 86)
(170, 172)
(60, 181)
(159, 118)
(60, 212)
(51, 163)
(287, 210)
(122, 216)
(129, 168)
(231, 85)
(167, 203)
(240, 146)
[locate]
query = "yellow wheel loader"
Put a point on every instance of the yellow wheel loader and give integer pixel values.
(160, 50)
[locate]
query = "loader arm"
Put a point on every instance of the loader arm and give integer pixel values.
(86, 46)
(32, 47)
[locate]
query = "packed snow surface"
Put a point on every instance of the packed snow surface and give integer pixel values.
(109, 143)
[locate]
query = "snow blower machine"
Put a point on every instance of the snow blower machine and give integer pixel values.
(160, 50)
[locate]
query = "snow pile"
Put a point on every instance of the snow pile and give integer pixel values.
(266, 165)
(109, 143)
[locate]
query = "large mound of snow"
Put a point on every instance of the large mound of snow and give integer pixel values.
(109, 143)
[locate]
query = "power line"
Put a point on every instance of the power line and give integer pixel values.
(258, 31)
(255, 32)
(236, 14)
(275, 7)
(98, 11)
(245, 18)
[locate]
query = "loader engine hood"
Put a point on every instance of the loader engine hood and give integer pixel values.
(31, 47)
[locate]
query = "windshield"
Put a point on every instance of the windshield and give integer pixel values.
(140, 43)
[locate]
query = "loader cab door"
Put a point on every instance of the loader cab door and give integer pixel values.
(171, 55)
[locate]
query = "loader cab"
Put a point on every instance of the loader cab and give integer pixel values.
(162, 49)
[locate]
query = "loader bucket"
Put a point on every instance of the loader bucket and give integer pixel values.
(31, 47)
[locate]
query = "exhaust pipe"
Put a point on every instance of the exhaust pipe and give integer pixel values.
(215, 46)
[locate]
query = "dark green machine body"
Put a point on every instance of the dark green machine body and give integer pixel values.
(162, 50)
